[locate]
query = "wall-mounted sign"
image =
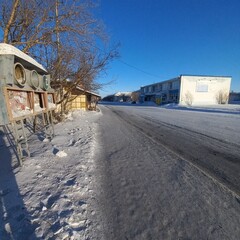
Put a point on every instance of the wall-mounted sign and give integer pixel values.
(19, 103)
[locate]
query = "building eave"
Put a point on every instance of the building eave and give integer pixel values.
(85, 91)
(192, 75)
(172, 79)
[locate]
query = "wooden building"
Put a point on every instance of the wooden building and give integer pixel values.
(82, 99)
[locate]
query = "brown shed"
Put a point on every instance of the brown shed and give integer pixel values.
(83, 99)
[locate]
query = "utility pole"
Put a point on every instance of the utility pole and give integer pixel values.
(57, 28)
(58, 51)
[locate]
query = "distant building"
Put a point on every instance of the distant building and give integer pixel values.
(122, 96)
(118, 97)
(188, 90)
(234, 97)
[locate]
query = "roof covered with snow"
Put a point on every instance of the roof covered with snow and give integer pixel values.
(89, 92)
(6, 49)
(118, 94)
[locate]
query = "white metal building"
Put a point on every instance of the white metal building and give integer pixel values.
(189, 90)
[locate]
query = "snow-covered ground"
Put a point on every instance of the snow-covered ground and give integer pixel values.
(52, 196)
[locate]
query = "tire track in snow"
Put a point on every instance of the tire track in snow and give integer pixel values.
(213, 170)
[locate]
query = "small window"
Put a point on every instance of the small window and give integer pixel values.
(202, 87)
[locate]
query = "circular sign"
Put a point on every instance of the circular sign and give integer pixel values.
(45, 82)
(34, 79)
(19, 75)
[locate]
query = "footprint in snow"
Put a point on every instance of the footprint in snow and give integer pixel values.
(71, 143)
(66, 213)
(59, 153)
(49, 202)
(55, 150)
(70, 182)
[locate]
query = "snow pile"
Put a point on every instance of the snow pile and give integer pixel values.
(37, 108)
(53, 195)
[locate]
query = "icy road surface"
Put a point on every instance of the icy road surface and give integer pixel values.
(168, 174)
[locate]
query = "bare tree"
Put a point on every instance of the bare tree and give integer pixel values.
(62, 35)
(222, 97)
(28, 23)
(135, 96)
(188, 98)
(90, 66)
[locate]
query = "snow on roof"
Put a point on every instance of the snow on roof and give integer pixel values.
(118, 94)
(81, 89)
(6, 49)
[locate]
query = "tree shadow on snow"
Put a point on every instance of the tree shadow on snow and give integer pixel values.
(15, 221)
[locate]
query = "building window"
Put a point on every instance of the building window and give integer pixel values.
(202, 87)
(164, 98)
(175, 85)
(165, 85)
(173, 97)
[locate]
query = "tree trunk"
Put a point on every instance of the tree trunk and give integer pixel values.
(10, 21)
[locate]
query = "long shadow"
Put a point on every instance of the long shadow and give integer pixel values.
(15, 221)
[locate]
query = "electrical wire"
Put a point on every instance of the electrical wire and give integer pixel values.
(138, 69)
(129, 65)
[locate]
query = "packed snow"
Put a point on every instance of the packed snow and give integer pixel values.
(52, 195)
(153, 191)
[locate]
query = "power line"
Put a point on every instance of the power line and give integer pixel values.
(129, 65)
(138, 69)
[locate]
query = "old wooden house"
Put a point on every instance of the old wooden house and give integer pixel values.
(82, 99)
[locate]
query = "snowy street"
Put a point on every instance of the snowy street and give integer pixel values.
(169, 173)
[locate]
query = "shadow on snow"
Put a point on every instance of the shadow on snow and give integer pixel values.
(15, 219)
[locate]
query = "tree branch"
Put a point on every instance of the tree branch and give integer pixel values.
(10, 21)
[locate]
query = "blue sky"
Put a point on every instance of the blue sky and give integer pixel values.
(166, 38)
